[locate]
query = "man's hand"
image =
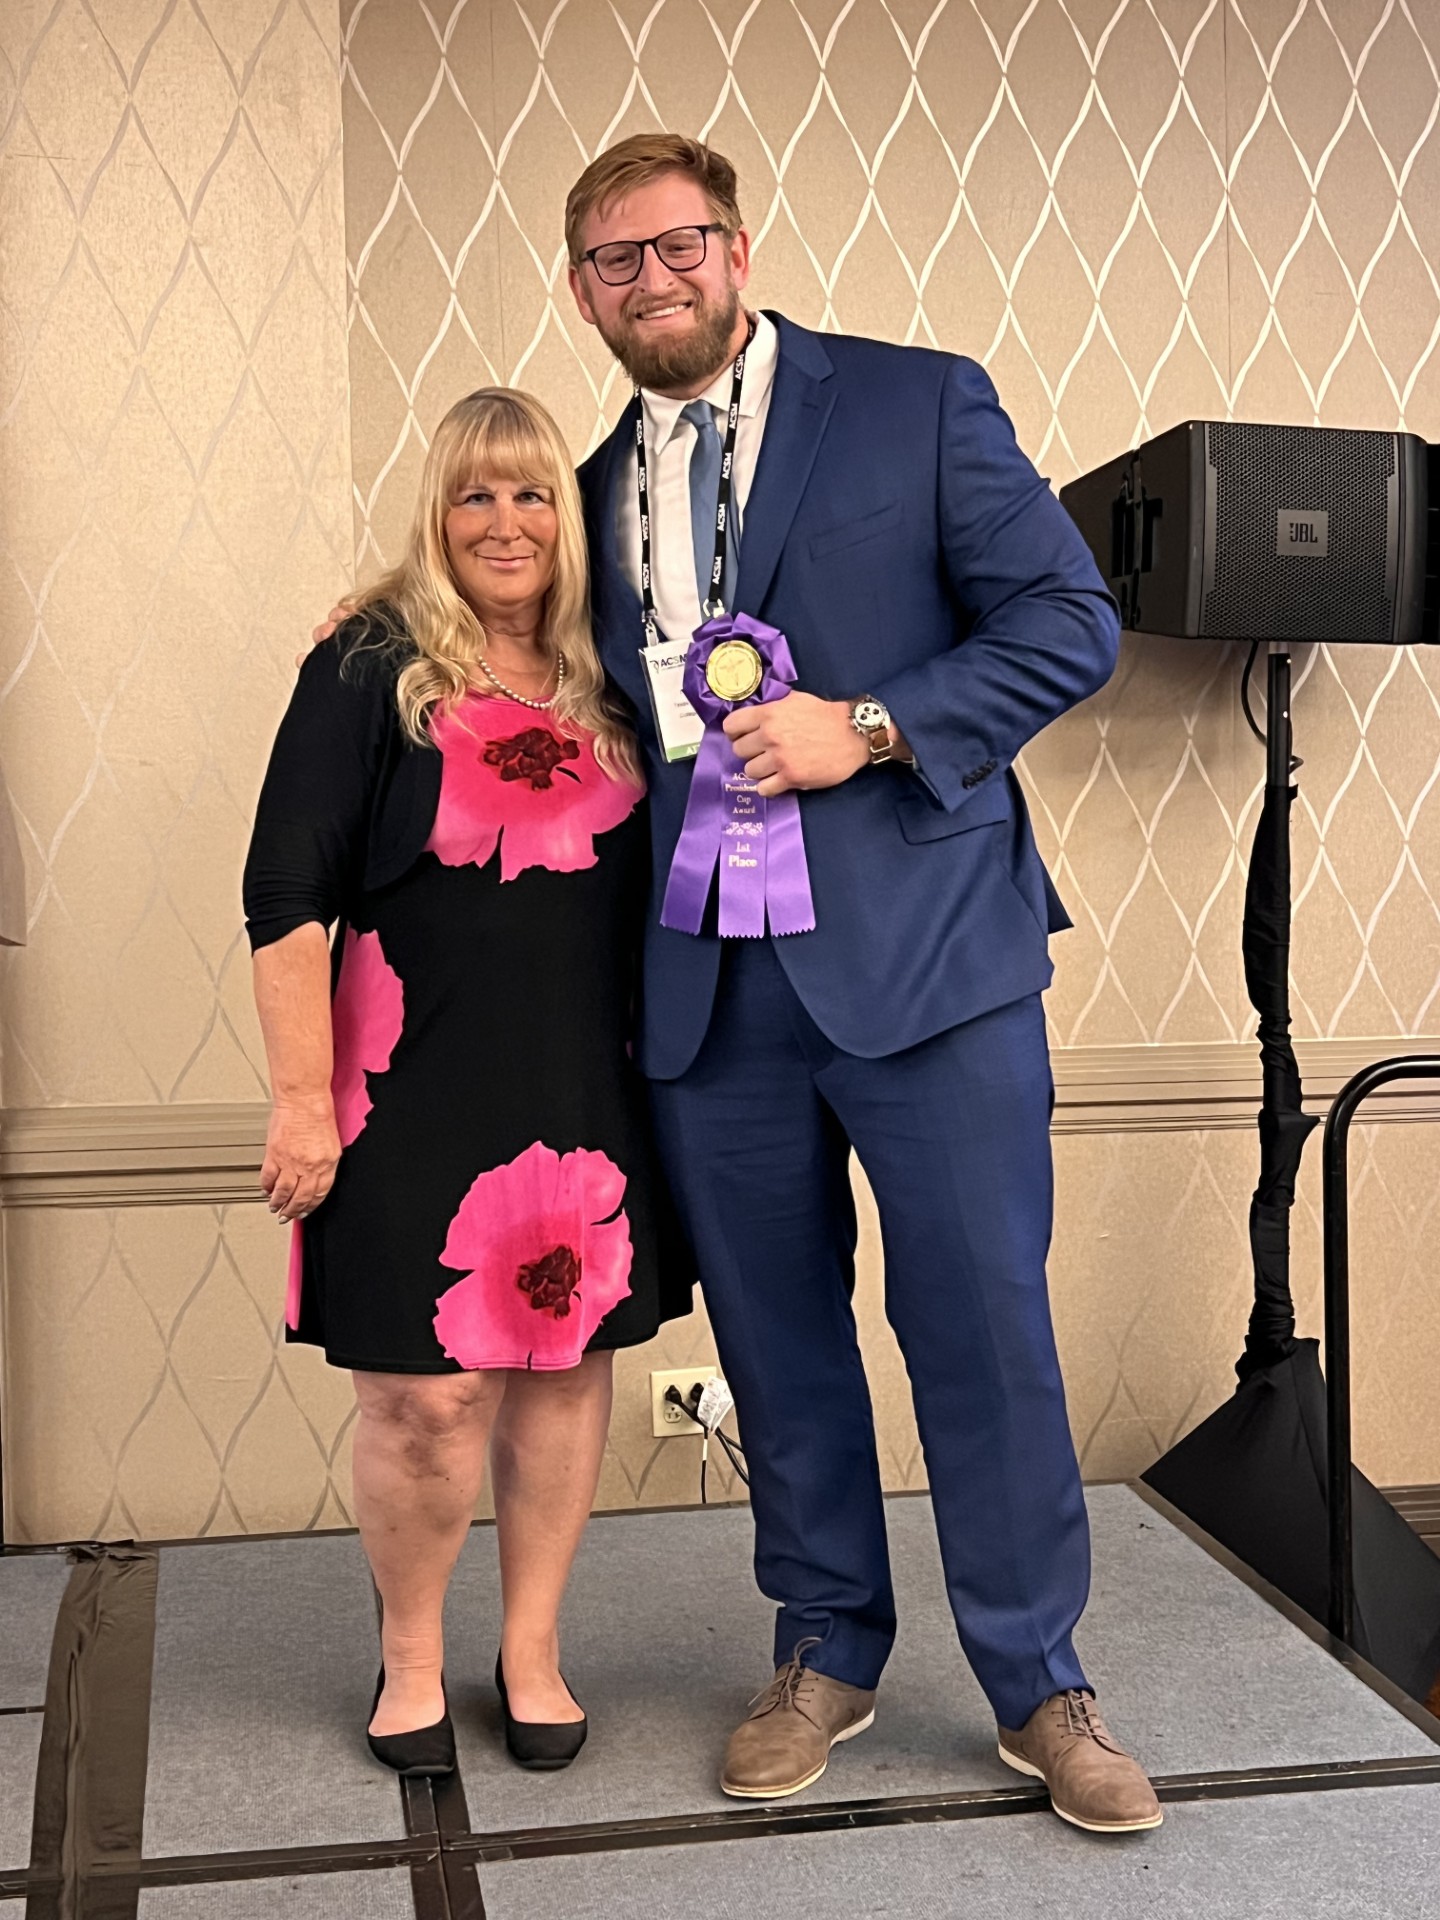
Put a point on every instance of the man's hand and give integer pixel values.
(800, 742)
(797, 742)
(327, 626)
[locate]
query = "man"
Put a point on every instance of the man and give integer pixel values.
(940, 610)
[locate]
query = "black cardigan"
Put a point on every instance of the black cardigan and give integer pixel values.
(348, 800)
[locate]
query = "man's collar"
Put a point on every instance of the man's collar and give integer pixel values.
(662, 411)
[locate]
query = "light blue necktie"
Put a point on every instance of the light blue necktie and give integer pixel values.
(704, 494)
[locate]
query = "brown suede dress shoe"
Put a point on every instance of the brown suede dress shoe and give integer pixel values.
(785, 1744)
(1093, 1782)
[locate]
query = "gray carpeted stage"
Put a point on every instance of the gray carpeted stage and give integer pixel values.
(30, 1591)
(1328, 1854)
(1294, 1787)
(382, 1895)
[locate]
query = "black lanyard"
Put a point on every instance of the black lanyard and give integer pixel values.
(715, 605)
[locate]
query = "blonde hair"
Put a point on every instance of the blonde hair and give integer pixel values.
(635, 163)
(500, 433)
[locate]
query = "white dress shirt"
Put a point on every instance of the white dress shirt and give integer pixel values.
(669, 444)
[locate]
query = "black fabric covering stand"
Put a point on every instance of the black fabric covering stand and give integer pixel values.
(1255, 1474)
(1284, 1125)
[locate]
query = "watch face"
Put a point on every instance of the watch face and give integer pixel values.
(869, 714)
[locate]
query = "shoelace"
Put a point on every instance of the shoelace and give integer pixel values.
(1083, 1721)
(784, 1689)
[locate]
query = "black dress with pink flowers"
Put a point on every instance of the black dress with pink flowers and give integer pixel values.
(496, 1202)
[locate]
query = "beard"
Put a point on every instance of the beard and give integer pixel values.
(697, 355)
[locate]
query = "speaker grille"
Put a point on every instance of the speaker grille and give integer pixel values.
(1261, 471)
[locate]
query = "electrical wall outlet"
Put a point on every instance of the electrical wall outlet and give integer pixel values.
(667, 1419)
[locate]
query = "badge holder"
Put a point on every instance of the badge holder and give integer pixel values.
(676, 722)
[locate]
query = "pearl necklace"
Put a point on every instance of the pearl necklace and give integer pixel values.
(540, 706)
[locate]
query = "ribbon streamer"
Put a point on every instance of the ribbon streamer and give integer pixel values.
(757, 842)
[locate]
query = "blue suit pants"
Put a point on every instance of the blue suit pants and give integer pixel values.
(953, 1135)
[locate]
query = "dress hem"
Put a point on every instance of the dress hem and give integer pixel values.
(350, 1364)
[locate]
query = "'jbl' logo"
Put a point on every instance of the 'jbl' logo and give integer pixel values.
(1303, 533)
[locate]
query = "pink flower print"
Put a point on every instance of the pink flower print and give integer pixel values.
(365, 1016)
(539, 794)
(296, 1273)
(547, 1247)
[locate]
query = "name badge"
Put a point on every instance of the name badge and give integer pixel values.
(679, 726)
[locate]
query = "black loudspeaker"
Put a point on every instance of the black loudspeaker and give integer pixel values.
(1225, 530)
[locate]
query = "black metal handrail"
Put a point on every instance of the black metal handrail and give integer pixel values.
(1335, 1152)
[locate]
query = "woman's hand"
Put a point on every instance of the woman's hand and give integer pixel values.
(292, 997)
(302, 1151)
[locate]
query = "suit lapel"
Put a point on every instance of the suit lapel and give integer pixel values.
(800, 405)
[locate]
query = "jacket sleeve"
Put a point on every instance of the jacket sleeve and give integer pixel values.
(1040, 632)
(308, 848)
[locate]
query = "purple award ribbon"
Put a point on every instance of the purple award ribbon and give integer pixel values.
(757, 841)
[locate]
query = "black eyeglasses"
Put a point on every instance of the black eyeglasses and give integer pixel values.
(682, 249)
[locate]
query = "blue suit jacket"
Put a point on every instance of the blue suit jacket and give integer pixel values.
(907, 548)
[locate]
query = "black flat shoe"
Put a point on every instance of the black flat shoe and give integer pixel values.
(544, 1746)
(426, 1753)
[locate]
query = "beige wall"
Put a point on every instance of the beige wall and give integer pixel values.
(176, 458)
(1132, 214)
(174, 503)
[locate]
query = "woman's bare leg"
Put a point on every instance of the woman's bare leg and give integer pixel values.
(546, 1447)
(419, 1464)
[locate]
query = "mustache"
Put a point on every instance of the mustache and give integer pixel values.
(659, 361)
(639, 305)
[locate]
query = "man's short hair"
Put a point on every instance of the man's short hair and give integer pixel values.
(635, 163)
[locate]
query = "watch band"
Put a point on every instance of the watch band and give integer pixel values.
(876, 734)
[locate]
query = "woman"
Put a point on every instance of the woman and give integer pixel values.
(458, 1134)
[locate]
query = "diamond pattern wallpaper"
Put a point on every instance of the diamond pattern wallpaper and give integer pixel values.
(156, 1395)
(1133, 213)
(174, 503)
(250, 251)
(174, 434)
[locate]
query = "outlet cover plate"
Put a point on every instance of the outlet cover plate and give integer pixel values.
(665, 1420)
